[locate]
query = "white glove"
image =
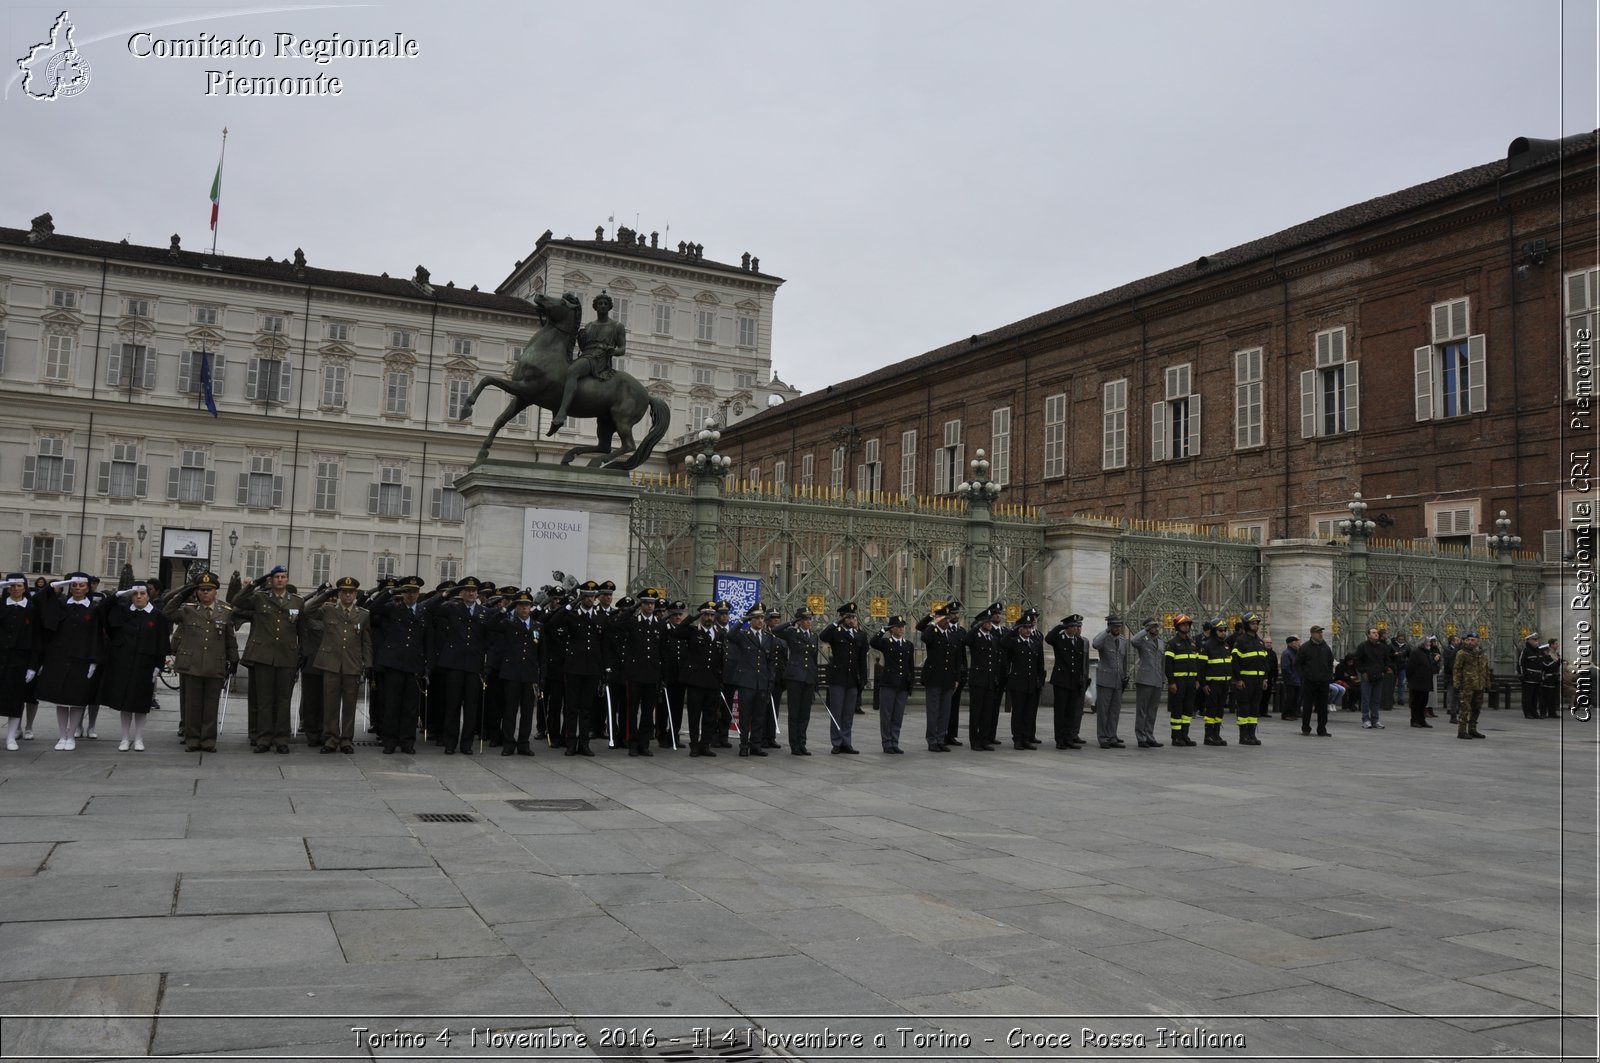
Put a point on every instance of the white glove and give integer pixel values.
(155, 673)
(91, 671)
(31, 673)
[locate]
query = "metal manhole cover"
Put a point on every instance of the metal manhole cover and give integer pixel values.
(445, 817)
(552, 804)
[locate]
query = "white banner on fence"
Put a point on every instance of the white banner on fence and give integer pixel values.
(554, 540)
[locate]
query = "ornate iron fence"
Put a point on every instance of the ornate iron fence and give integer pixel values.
(818, 549)
(1162, 570)
(1423, 589)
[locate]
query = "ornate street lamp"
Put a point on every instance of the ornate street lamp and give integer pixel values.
(979, 490)
(1356, 527)
(1502, 541)
(233, 540)
(141, 533)
(706, 463)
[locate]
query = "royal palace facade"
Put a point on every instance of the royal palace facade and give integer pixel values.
(339, 428)
(1428, 348)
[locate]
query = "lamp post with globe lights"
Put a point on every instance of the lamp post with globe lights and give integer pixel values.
(979, 493)
(1504, 545)
(708, 471)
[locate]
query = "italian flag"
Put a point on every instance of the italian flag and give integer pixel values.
(216, 195)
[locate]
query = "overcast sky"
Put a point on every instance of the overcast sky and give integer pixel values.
(918, 172)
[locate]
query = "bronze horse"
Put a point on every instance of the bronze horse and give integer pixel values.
(616, 404)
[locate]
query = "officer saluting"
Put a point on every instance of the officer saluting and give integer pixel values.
(518, 641)
(272, 654)
(456, 636)
(642, 635)
(581, 632)
(704, 648)
(400, 634)
(899, 669)
(206, 654)
(343, 656)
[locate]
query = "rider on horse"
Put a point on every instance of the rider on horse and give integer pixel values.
(599, 341)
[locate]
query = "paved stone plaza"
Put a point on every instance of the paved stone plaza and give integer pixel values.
(1377, 895)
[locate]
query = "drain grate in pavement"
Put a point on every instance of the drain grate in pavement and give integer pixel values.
(552, 804)
(445, 817)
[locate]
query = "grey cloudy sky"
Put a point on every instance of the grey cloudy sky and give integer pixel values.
(917, 171)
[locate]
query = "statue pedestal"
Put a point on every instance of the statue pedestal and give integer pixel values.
(525, 520)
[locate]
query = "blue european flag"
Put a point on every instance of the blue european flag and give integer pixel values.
(205, 384)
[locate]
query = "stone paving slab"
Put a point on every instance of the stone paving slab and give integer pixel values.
(139, 945)
(1332, 879)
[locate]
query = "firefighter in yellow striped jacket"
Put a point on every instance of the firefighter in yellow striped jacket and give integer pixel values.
(1216, 658)
(1184, 661)
(1249, 676)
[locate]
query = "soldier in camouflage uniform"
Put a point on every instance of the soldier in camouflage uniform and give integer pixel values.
(1470, 676)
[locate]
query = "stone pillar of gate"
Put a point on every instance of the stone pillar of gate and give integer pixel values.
(1077, 577)
(980, 553)
(1300, 582)
(707, 470)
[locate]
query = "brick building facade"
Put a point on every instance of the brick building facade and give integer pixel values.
(1416, 348)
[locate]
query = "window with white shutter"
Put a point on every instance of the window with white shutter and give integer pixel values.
(457, 388)
(1453, 522)
(58, 351)
(663, 319)
(190, 364)
(43, 555)
(447, 501)
(908, 463)
(1451, 372)
(255, 561)
(705, 325)
(1330, 394)
(48, 470)
(130, 366)
(1248, 399)
(326, 499)
(335, 380)
(390, 496)
(808, 469)
(1175, 420)
(320, 564)
(836, 469)
(397, 390)
(780, 473)
(116, 555)
(949, 461)
(869, 474)
(261, 487)
(122, 476)
(1000, 445)
(192, 481)
(747, 330)
(268, 380)
(1055, 435)
(1114, 425)
(1582, 295)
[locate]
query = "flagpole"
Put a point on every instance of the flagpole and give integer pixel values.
(216, 204)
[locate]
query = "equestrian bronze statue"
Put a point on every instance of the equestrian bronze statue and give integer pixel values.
(547, 375)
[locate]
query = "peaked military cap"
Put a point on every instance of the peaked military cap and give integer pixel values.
(608, 587)
(470, 583)
(847, 609)
(588, 587)
(1029, 617)
(802, 613)
(208, 581)
(626, 603)
(411, 583)
(896, 621)
(756, 612)
(1075, 620)
(522, 598)
(1113, 619)
(678, 607)
(79, 577)
(774, 614)
(348, 583)
(707, 607)
(953, 607)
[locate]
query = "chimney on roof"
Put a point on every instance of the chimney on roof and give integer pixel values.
(682, 247)
(653, 237)
(173, 249)
(599, 233)
(699, 252)
(755, 265)
(43, 228)
(744, 260)
(299, 259)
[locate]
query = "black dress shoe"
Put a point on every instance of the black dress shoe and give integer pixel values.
(283, 747)
(466, 749)
(347, 748)
(262, 749)
(938, 749)
(705, 751)
(328, 749)
(388, 749)
(509, 751)
(409, 750)
(1151, 743)
(849, 749)
(1063, 745)
(797, 752)
(953, 742)
(758, 752)
(805, 752)
(744, 751)
(1118, 743)
(771, 745)
(448, 750)
(584, 750)
(644, 750)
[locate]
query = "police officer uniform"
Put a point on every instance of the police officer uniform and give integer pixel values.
(518, 648)
(899, 656)
(986, 676)
(1024, 651)
(799, 676)
(704, 654)
(456, 636)
(749, 667)
(943, 639)
(641, 635)
(847, 674)
(581, 631)
(400, 652)
(1069, 679)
